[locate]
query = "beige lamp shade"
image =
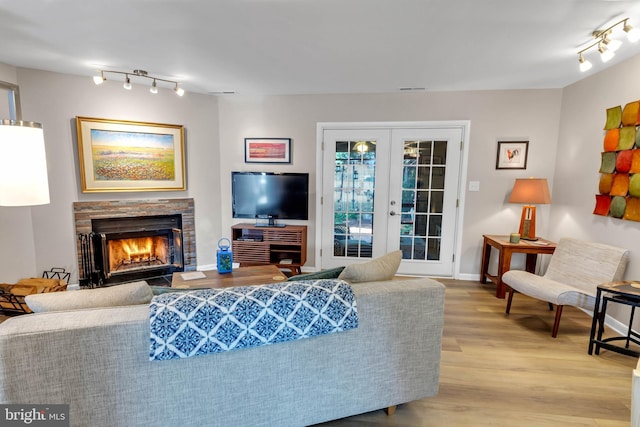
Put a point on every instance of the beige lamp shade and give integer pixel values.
(23, 164)
(530, 191)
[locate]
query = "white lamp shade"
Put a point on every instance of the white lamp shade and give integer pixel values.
(633, 35)
(23, 164)
(585, 65)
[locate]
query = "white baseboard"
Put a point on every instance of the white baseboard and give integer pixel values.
(619, 327)
(609, 321)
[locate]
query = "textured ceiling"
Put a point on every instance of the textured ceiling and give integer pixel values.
(316, 46)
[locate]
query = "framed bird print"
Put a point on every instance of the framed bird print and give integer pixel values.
(512, 154)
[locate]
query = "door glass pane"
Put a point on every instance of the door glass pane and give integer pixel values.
(437, 202)
(424, 174)
(422, 199)
(435, 225)
(433, 252)
(353, 196)
(10, 109)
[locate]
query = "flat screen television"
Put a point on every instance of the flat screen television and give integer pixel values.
(270, 195)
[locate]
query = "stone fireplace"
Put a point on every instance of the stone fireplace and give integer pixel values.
(126, 240)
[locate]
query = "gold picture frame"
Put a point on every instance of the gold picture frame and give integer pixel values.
(121, 156)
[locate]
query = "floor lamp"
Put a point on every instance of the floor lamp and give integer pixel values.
(531, 191)
(23, 164)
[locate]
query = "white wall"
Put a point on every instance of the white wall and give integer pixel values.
(8, 73)
(55, 100)
(580, 143)
(534, 114)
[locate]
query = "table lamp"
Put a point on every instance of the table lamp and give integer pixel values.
(530, 191)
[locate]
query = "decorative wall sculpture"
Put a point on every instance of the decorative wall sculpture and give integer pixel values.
(619, 187)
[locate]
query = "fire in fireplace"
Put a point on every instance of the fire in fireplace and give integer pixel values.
(138, 253)
(132, 248)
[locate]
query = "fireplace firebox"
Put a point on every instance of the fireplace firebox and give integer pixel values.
(107, 229)
(125, 249)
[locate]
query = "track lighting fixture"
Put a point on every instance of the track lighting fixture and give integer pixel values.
(606, 45)
(605, 53)
(611, 45)
(99, 79)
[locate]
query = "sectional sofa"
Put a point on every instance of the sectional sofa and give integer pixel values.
(97, 361)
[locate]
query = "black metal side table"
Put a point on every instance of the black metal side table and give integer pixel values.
(622, 292)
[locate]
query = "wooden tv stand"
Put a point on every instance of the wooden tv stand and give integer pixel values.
(284, 247)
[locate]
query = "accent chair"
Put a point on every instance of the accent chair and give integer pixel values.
(575, 270)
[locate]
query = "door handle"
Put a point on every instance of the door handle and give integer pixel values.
(392, 213)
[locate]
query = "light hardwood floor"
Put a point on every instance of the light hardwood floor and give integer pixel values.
(500, 370)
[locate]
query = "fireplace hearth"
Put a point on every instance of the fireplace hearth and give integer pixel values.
(132, 240)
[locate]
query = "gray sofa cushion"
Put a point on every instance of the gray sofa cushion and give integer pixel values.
(118, 295)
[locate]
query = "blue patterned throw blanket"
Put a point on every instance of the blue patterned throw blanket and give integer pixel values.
(192, 323)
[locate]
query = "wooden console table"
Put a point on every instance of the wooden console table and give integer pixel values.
(284, 247)
(505, 249)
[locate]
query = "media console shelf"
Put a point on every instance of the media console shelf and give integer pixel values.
(284, 247)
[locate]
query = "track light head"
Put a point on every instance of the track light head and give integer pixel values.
(605, 54)
(99, 79)
(179, 91)
(633, 34)
(127, 83)
(611, 44)
(154, 87)
(585, 65)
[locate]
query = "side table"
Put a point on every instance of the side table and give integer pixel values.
(621, 292)
(505, 249)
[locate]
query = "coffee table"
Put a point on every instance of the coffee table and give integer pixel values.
(243, 276)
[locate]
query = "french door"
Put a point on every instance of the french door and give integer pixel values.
(385, 189)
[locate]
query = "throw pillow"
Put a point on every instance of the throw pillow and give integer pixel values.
(159, 290)
(117, 295)
(381, 268)
(331, 273)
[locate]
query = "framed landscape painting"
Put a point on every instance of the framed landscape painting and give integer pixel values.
(119, 156)
(267, 150)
